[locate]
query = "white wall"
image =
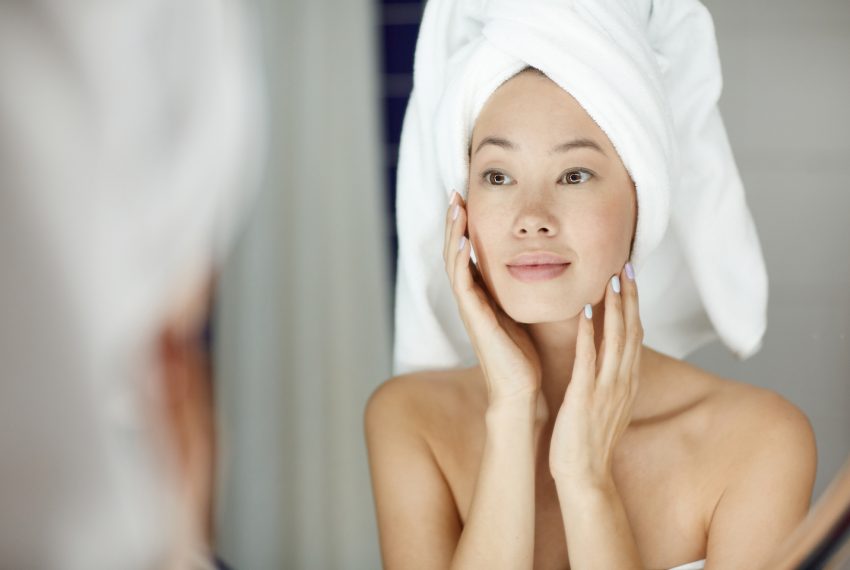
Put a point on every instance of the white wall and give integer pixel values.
(303, 329)
(786, 67)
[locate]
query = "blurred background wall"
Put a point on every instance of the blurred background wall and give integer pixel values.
(303, 324)
(303, 327)
(786, 68)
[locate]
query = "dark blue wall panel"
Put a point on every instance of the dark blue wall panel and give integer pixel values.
(399, 28)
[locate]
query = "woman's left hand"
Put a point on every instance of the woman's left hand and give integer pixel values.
(598, 403)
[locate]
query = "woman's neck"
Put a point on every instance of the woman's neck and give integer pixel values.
(556, 347)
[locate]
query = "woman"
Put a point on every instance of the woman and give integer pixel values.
(571, 445)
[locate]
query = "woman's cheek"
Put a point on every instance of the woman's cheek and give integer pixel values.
(482, 251)
(480, 234)
(482, 241)
(597, 242)
(610, 224)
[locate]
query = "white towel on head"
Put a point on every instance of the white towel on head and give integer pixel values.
(648, 73)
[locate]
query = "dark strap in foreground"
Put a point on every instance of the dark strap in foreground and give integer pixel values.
(830, 545)
(221, 564)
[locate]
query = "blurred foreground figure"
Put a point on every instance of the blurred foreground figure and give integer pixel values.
(130, 142)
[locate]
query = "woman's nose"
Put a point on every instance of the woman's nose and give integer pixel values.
(534, 223)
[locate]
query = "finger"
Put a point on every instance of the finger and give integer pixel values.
(478, 279)
(477, 310)
(456, 231)
(633, 334)
(462, 279)
(634, 328)
(469, 295)
(636, 369)
(476, 274)
(584, 366)
(450, 218)
(614, 334)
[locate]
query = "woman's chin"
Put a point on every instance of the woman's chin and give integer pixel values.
(528, 313)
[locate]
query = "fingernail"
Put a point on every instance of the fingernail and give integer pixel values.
(630, 272)
(454, 196)
(455, 210)
(588, 311)
(615, 283)
(462, 243)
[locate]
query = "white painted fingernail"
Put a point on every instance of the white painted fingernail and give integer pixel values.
(455, 210)
(588, 311)
(462, 243)
(615, 283)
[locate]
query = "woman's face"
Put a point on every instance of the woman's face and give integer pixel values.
(545, 179)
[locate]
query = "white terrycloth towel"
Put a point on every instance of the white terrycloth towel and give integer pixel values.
(648, 73)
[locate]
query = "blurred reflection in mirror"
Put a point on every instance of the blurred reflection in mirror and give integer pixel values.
(130, 145)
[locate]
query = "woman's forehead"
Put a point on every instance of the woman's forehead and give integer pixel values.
(530, 109)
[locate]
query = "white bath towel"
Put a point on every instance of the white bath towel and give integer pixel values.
(648, 72)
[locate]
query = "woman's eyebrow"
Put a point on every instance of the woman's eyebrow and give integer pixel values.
(563, 147)
(577, 143)
(496, 141)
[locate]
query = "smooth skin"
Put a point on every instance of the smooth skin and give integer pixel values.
(571, 445)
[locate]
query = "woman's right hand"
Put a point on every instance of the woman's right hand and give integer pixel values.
(505, 352)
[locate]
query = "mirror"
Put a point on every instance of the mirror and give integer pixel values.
(293, 302)
(302, 326)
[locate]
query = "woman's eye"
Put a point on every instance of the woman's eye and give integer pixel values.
(496, 178)
(575, 176)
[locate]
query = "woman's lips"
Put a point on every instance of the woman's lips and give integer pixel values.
(540, 272)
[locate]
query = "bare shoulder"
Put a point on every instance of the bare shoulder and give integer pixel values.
(758, 407)
(752, 417)
(762, 431)
(729, 406)
(759, 455)
(742, 426)
(425, 399)
(747, 441)
(416, 511)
